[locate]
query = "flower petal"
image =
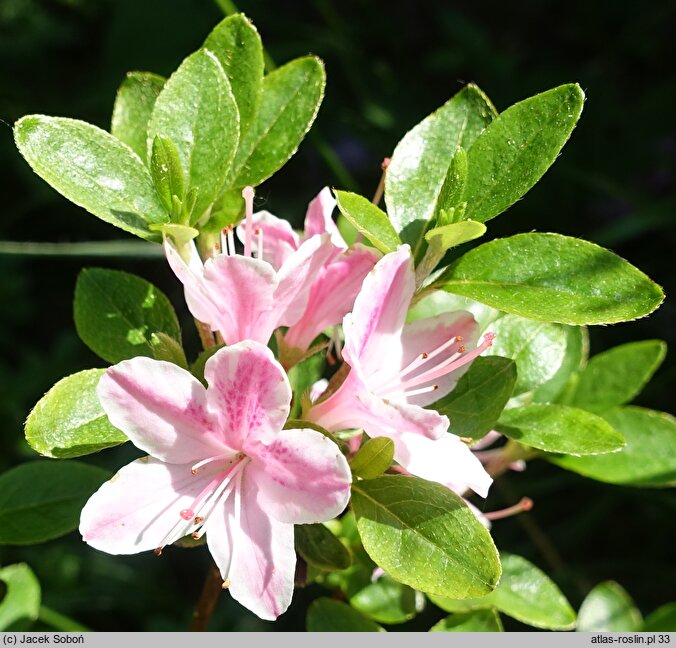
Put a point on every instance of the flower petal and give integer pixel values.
(161, 408)
(426, 335)
(373, 329)
(244, 289)
(279, 239)
(248, 391)
(296, 277)
(446, 460)
(318, 218)
(139, 508)
(332, 295)
(263, 559)
(302, 476)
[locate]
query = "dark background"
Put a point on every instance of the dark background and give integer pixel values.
(389, 64)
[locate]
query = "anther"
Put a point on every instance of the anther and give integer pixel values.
(226, 583)
(195, 535)
(198, 520)
(158, 551)
(459, 338)
(466, 439)
(425, 355)
(461, 349)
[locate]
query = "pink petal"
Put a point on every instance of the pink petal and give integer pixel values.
(161, 408)
(373, 329)
(243, 291)
(426, 335)
(318, 218)
(446, 460)
(296, 277)
(254, 551)
(279, 239)
(332, 295)
(302, 476)
(248, 391)
(139, 508)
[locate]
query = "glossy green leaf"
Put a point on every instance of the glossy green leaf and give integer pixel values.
(525, 593)
(369, 220)
(329, 615)
(289, 102)
(22, 598)
(476, 403)
(663, 619)
(608, 608)
(133, 106)
(453, 187)
(197, 367)
(421, 160)
(477, 621)
(437, 302)
(42, 500)
(454, 234)
(302, 376)
(616, 376)
(116, 314)
(68, 421)
(423, 535)
(561, 429)
(538, 348)
(320, 548)
(168, 349)
(238, 48)
(648, 459)
(196, 110)
(575, 359)
(553, 278)
(373, 458)
(93, 169)
(166, 171)
(387, 601)
(516, 149)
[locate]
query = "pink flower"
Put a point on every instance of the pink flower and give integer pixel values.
(247, 298)
(219, 463)
(335, 286)
(397, 369)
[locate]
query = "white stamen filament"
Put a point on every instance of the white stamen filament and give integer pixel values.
(248, 195)
(424, 357)
(224, 242)
(422, 390)
(204, 462)
(231, 241)
(259, 253)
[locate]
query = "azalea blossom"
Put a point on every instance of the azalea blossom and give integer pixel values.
(246, 298)
(397, 368)
(335, 286)
(221, 464)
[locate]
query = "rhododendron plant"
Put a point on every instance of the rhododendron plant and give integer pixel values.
(351, 376)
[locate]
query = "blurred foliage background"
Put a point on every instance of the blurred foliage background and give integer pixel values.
(389, 64)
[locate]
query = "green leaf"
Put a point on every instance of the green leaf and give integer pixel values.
(302, 376)
(196, 110)
(289, 103)
(23, 596)
(42, 500)
(481, 394)
(388, 601)
(663, 619)
(369, 220)
(421, 160)
(320, 548)
(616, 376)
(167, 349)
(68, 421)
(133, 106)
(575, 359)
(328, 615)
(608, 608)
(553, 278)
(93, 169)
(478, 621)
(648, 459)
(238, 48)
(423, 535)
(437, 302)
(516, 149)
(197, 367)
(538, 348)
(451, 192)
(117, 313)
(560, 428)
(449, 236)
(166, 171)
(373, 458)
(525, 593)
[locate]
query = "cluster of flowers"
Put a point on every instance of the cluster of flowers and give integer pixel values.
(220, 459)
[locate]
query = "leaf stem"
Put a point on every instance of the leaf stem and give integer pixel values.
(213, 586)
(60, 621)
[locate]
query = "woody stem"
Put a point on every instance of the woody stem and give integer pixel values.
(213, 586)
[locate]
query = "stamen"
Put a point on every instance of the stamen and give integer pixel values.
(259, 233)
(231, 241)
(466, 439)
(526, 504)
(209, 460)
(422, 358)
(158, 551)
(224, 242)
(422, 390)
(248, 195)
(226, 583)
